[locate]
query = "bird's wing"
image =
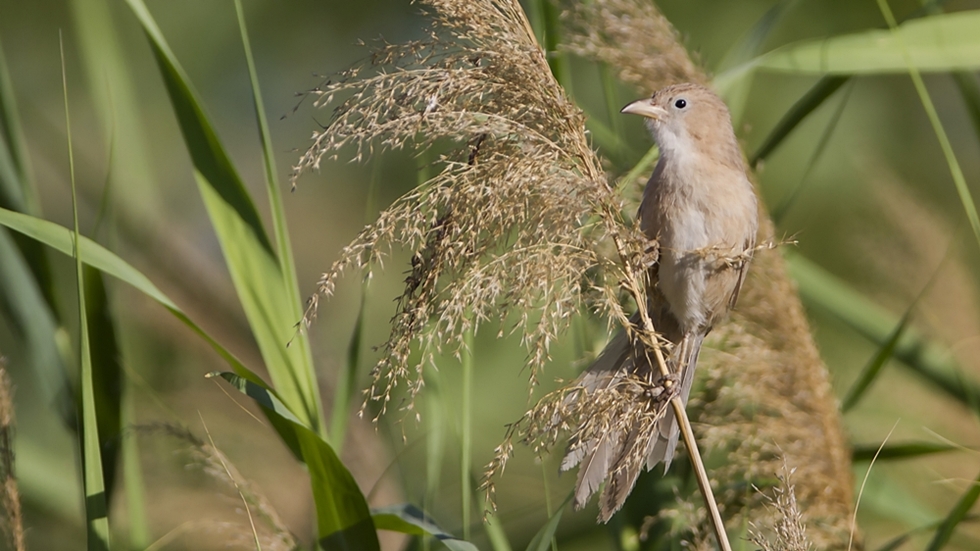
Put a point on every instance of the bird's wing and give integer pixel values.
(742, 270)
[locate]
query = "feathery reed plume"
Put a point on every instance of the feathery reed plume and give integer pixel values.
(634, 38)
(766, 396)
(13, 522)
(215, 463)
(519, 220)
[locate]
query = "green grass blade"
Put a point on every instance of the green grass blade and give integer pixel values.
(939, 43)
(542, 540)
(899, 451)
(871, 371)
(780, 211)
(343, 518)
(970, 91)
(955, 516)
(61, 239)
(925, 358)
(287, 266)
(800, 110)
(107, 377)
(255, 270)
(96, 510)
(901, 41)
(409, 519)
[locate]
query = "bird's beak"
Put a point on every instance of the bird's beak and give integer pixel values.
(645, 108)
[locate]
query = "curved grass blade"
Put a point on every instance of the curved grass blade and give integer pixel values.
(957, 515)
(939, 43)
(542, 540)
(96, 510)
(899, 451)
(409, 519)
(252, 263)
(797, 113)
(871, 371)
(95, 255)
(924, 357)
(343, 518)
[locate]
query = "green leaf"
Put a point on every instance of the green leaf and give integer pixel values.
(343, 518)
(542, 540)
(899, 451)
(924, 357)
(269, 299)
(409, 519)
(940, 43)
(871, 371)
(955, 516)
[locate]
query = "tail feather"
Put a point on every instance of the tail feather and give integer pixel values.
(613, 455)
(669, 431)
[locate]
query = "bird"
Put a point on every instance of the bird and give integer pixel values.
(700, 210)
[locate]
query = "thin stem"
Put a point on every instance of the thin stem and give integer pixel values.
(467, 436)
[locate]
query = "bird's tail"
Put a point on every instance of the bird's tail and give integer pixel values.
(645, 431)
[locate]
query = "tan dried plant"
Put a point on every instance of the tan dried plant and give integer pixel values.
(12, 520)
(265, 524)
(518, 225)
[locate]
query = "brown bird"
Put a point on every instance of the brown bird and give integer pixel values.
(700, 209)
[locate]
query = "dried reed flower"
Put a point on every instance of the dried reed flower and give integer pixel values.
(518, 222)
(273, 532)
(788, 528)
(13, 521)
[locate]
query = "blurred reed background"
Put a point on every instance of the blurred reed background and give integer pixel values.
(862, 184)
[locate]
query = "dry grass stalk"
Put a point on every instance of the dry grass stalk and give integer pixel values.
(273, 533)
(788, 528)
(518, 224)
(13, 521)
(767, 395)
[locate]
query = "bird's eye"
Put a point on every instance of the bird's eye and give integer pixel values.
(680, 104)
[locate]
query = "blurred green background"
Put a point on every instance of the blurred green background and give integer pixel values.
(877, 209)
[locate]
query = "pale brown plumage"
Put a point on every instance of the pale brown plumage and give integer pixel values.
(701, 210)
